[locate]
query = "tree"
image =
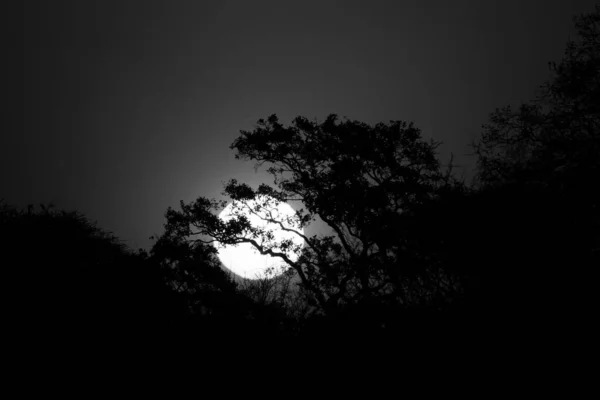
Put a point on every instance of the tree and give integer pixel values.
(76, 288)
(554, 140)
(551, 144)
(538, 168)
(189, 268)
(361, 180)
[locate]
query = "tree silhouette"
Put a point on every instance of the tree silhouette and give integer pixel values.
(359, 179)
(80, 291)
(552, 141)
(551, 145)
(523, 241)
(188, 268)
(532, 220)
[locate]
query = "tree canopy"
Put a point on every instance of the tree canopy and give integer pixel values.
(550, 146)
(537, 185)
(358, 179)
(552, 140)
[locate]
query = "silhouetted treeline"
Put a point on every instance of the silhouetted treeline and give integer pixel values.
(509, 258)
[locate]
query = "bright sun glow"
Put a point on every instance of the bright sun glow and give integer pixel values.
(243, 259)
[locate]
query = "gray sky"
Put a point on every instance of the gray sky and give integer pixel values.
(130, 106)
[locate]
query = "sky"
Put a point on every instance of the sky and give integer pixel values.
(130, 106)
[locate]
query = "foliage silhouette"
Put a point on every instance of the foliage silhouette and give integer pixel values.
(549, 148)
(551, 142)
(498, 249)
(527, 234)
(361, 181)
(81, 292)
(217, 307)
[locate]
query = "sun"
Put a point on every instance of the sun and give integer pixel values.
(243, 259)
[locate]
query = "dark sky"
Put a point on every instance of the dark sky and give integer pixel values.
(130, 106)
